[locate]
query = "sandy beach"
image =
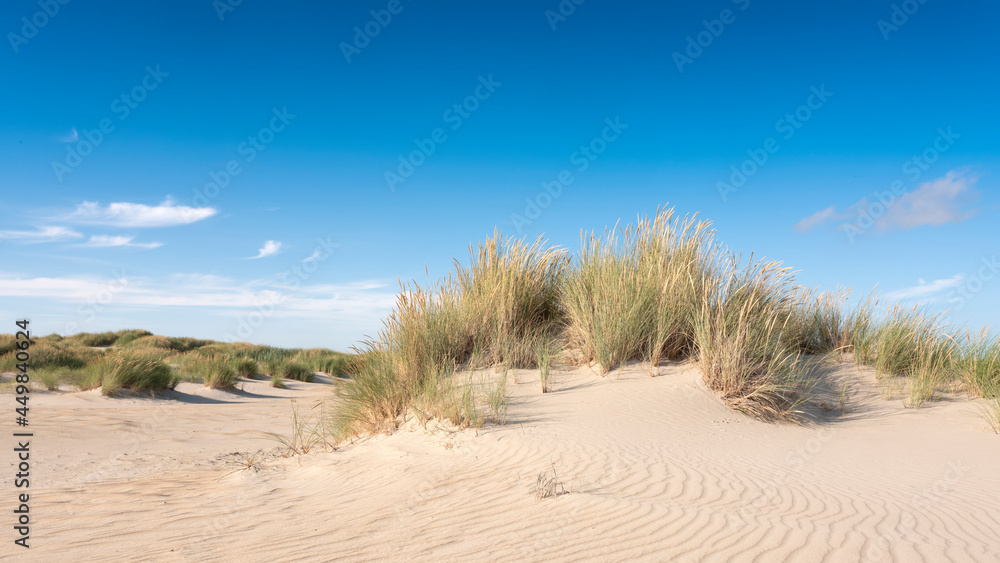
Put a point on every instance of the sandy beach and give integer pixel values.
(648, 468)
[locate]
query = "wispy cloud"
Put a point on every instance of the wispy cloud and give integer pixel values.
(815, 219)
(109, 241)
(925, 291)
(270, 248)
(363, 300)
(948, 199)
(945, 200)
(124, 214)
(72, 137)
(42, 234)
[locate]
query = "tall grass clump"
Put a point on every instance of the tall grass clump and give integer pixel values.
(486, 313)
(218, 373)
(544, 352)
(816, 322)
(860, 329)
(293, 370)
(323, 360)
(741, 345)
(979, 366)
(135, 373)
(245, 367)
(908, 340)
(635, 292)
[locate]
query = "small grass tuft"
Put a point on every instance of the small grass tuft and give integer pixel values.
(548, 485)
(277, 382)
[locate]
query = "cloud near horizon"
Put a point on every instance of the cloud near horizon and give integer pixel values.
(948, 199)
(270, 248)
(361, 300)
(124, 214)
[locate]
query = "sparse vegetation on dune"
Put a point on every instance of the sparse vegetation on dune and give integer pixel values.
(84, 359)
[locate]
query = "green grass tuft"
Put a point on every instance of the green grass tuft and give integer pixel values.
(135, 373)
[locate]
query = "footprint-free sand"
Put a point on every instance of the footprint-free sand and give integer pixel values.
(653, 468)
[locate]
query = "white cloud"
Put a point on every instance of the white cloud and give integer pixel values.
(124, 214)
(948, 199)
(316, 254)
(270, 248)
(42, 234)
(109, 241)
(926, 291)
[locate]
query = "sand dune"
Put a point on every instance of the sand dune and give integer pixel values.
(655, 468)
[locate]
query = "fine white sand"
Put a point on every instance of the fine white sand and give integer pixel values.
(656, 468)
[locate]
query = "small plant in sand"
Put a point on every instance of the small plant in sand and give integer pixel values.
(277, 382)
(50, 379)
(543, 357)
(497, 399)
(989, 409)
(306, 434)
(244, 463)
(548, 485)
(842, 397)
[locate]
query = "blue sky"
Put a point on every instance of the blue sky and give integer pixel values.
(267, 171)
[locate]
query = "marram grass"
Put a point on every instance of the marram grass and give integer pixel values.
(661, 288)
